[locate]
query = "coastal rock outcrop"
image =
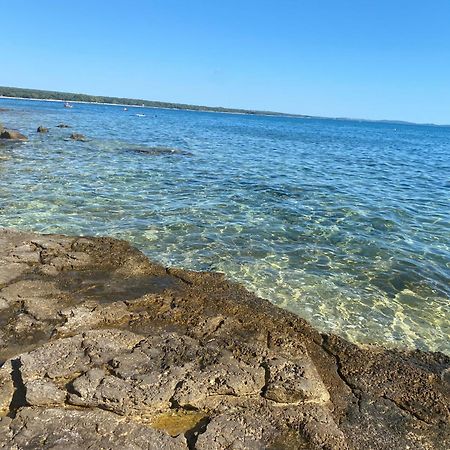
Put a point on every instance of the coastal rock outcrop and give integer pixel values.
(12, 135)
(78, 137)
(101, 348)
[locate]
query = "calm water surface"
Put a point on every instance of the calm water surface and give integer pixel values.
(346, 223)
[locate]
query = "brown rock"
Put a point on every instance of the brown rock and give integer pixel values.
(78, 137)
(12, 135)
(109, 350)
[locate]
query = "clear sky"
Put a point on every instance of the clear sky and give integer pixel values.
(379, 59)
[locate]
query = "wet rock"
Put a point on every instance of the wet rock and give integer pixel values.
(62, 125)
(78, 137)
(12, 135)
(42, 129)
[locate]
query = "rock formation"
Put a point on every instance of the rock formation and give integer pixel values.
(101, 348)
(12, 135)
(77, 137)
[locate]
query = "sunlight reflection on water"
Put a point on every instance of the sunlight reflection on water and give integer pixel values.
(345, 223)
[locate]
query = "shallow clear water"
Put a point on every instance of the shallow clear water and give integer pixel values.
(346, 223)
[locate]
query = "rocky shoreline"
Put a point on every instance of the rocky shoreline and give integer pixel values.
(101, 348)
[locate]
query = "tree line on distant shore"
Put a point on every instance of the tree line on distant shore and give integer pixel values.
(72, 97)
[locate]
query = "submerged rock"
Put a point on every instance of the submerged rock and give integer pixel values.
(12, 135)
(160, 151)
(102, 348)
(42, 129)
(62, 125)
(78, 137)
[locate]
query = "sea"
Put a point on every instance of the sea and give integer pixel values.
(343, 222)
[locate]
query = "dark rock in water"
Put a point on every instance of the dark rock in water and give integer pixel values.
(12, 135)
(78, 137)
(160, 151)
(4, 109)
(42, 129)
(63, 125)
(104, 349)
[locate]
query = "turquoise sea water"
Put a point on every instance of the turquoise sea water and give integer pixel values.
(346, 223)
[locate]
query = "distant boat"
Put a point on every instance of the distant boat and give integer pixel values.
(67, 105)
(140, 115)
(125, 109)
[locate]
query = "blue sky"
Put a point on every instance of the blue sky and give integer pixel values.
(348, 58)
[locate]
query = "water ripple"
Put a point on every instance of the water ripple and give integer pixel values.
(345, 223)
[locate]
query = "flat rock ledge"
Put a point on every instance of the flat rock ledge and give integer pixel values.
(101, 348)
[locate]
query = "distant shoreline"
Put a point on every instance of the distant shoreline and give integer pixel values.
(53, 96)
(36, 94)
(155, 107)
